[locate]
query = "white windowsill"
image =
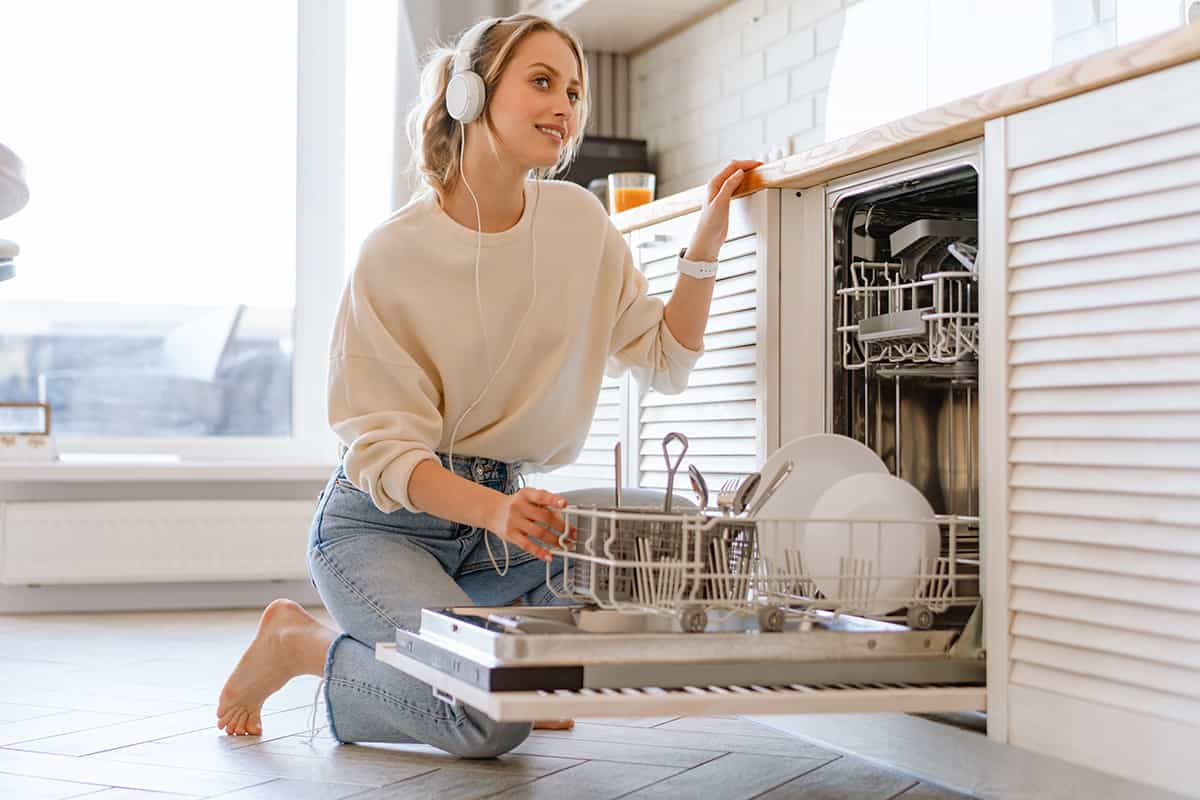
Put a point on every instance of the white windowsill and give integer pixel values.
(154, 469)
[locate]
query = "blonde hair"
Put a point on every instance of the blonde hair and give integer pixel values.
(435, 136)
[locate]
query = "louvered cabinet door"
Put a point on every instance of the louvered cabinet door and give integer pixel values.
(726, 412)
(1103, 427)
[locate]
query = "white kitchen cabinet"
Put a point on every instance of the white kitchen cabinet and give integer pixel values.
(729, 412)
(1092, 257)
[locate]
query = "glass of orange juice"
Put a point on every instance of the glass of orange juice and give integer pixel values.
(629, 189)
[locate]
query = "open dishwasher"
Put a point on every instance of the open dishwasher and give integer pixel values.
(713, 609)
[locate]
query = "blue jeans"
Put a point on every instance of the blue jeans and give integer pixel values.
(374, 572)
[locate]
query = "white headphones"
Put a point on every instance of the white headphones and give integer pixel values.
(465, 93)
(465, 96)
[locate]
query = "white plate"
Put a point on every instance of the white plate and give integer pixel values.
(819, 461)
(893, 554)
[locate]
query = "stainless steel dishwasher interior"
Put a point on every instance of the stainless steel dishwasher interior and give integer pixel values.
(901, 384)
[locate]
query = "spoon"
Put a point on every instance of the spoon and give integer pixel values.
(747, 487)
(699, 486)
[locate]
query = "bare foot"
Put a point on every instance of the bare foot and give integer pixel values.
(289, 642)
(553, 724)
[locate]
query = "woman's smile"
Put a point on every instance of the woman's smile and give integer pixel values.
(551, 132)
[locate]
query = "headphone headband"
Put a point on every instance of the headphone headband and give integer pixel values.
(467, 44)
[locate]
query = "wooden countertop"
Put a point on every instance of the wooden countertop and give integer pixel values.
(954, 122)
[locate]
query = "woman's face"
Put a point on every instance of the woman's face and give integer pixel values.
(538, 94)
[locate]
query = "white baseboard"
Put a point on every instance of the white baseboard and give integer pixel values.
(962, 760)
(152, 596)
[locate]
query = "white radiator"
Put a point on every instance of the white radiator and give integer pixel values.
(153, 541)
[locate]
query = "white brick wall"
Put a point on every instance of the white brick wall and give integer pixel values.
(739, 84)
(792, 51)
(751, 81)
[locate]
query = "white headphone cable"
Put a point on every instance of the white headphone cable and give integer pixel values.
(483, 323)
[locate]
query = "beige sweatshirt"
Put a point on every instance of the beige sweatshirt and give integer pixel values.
(407, 355)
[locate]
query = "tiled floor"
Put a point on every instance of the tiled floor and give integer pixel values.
(122, 706)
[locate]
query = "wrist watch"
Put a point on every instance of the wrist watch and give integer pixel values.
(697, 269)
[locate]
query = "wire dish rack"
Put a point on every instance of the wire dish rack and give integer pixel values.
(688, 565)
(887, 319)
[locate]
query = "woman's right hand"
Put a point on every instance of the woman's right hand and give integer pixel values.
(515, 519)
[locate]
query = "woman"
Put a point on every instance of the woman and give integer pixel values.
(402, 523)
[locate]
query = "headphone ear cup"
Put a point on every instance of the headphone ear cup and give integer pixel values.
(464, 96)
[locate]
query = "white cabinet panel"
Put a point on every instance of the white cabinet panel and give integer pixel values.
(1101, 436)
(804, 324)
(1152, 105)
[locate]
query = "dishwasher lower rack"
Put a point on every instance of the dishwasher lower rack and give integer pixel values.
(692, 566)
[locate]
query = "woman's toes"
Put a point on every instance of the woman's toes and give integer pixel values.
(264, 667)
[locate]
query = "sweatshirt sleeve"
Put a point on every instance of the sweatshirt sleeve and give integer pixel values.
(641, 341)
(383, 405)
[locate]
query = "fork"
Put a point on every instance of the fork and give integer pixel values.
(727, 493)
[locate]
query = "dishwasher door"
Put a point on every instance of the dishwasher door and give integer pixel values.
(522, 663)
(692, 700)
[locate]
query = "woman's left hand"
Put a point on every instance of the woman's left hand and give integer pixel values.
(714, 216)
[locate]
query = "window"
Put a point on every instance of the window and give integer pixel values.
(198, 171)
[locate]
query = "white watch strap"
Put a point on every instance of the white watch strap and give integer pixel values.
(696, 269)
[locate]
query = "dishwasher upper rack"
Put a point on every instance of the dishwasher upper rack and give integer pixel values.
(688, 564)
(886, 319)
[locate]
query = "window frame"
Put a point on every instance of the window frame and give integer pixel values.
(320, 251)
